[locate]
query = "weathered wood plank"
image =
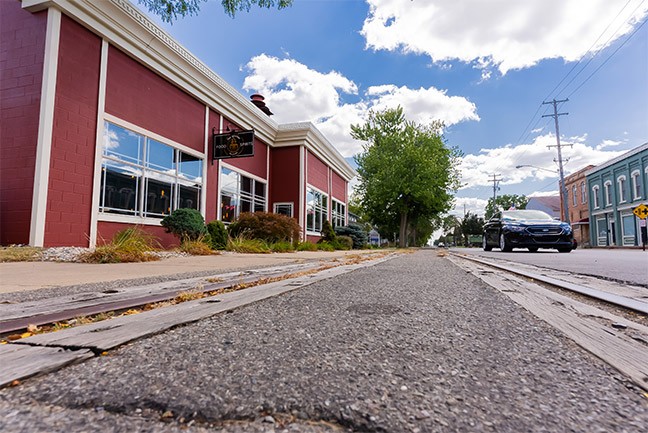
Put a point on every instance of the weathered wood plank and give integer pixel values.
(115, 332)
(587, 326)
(89, 299)
(20, 361)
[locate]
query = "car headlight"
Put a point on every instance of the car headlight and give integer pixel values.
(515, 228)
(566, 228)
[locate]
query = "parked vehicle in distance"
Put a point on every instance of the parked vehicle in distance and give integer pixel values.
(531, 229)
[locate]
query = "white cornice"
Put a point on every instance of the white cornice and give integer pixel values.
(291, 134)
(617, 159)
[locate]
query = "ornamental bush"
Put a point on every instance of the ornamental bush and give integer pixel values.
(269, 227)
(355, 232)
(218, 235)
(343, 243)
(187, 224)
(328, 234)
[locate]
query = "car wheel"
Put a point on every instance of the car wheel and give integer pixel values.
(533, 249)
(564, 250)
(504, 245)
(485, 244)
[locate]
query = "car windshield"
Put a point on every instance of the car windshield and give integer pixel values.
(514, 215)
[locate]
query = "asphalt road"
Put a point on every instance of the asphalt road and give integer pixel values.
(414, 344)
(625, 265)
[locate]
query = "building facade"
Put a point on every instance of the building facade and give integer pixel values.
(107, 122)
(615, 189)
(577, 205)
(549, 204)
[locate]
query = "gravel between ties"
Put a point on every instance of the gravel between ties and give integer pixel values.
(411, 344)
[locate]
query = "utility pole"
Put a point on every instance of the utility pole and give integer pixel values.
(563, 187)
(496, 182)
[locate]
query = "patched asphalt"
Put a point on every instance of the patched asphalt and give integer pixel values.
(411, 344)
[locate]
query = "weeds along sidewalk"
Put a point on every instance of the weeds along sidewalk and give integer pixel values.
(28, 276)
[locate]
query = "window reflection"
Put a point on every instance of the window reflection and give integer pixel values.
(146, 178)
(240, 194)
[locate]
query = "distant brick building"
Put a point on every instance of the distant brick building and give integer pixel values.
(577, 205)
(107, 122)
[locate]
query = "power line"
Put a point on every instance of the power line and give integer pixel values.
(601, 49)
(590, 49)
(607, 59)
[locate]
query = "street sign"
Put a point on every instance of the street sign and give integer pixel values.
(641, 211)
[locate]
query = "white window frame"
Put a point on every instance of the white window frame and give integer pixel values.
(323, 211)
(636, 184)
(138, 215)
(252, 197)
(338, 217)
(583, 193)
(621, 181)
(575, 195)
(595, 191)
(607, 192)
(287, 203)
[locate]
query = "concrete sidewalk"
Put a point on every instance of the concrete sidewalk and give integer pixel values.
(24, 276)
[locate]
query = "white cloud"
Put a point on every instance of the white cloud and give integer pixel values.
(473, 205)
(296, 93)
(544, 193)
(504, 34)
(477, 170)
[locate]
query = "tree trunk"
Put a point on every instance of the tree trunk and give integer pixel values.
(402, 241)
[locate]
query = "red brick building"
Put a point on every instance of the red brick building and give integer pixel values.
(107, 122)
(577, 205)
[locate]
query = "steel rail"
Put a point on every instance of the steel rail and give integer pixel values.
(104, 305)
(621, 301)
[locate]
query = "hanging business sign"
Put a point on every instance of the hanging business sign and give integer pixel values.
(237, 144)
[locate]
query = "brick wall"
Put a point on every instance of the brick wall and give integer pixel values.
(69, 196)
(22, 48)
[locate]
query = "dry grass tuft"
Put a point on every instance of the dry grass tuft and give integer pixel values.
(16, 253)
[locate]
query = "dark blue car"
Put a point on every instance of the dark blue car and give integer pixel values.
(531, 229)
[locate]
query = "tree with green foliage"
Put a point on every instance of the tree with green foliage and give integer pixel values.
(406, 170)
(505, 202)
(471, 225)
(170, 10)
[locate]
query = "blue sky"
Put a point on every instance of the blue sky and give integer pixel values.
(483, 67)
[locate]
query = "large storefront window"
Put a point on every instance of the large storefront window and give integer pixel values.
(239, 194)
(145, 178)
(338, 214)
(316, 210)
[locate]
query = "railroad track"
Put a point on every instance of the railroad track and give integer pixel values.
(629, 302)
(15, 318)
(612, 327)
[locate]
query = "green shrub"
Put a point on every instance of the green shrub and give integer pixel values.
(325, 246)
(253, 246)
(218, 234)
(343, 243)
(269, 227)
(187, 224)
(306, 246)
(355, 232)
(282, 247)
(129, 245)
(328, 234)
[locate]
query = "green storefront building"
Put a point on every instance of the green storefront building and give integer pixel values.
(616, 188)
